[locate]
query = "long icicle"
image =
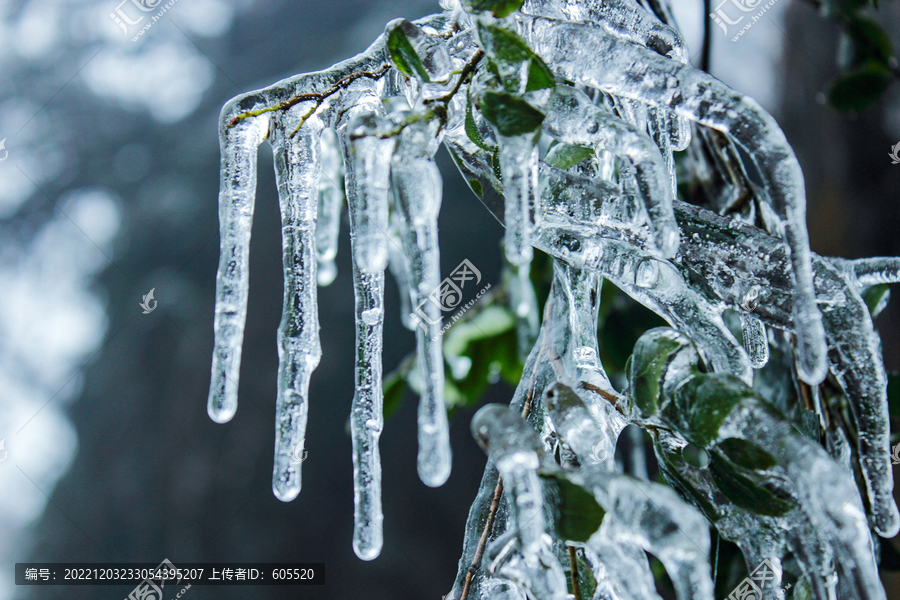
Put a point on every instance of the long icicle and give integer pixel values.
(297, 170)
(331, 200)
(237, 195)
(366, 417)
(418, 188)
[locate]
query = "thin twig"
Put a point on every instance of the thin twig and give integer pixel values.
(318, 97)
(573, 566)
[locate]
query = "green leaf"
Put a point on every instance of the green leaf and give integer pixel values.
(876, 298)
(498, 8)
(869, 41)
(746, 454)
(403, 55)
(669, 468)
(652, 354)
(587, 585)
(859, 88)
(475, 186)
(472, 127)
(563, 156)
(743, 491)
(511, 115)
(540, 77)
(503, 45)
(578, 514)
(703, 402)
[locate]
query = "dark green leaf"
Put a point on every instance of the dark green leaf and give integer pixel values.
(503, 45)
(703, 402)
(652, 354)
(540, 77)
(743, 491)
(511, 115)
(669, 468)
(876, 298)
(472, 128)
(746, 454)
(579, 515)
(495, 165)
(563, 156)
(475, 186)
(403, 55)
(587, 585)
(498, 8)
(859, 88)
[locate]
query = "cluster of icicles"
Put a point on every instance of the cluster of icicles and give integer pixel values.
(630, 96)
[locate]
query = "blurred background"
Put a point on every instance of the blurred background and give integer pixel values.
(108, 182)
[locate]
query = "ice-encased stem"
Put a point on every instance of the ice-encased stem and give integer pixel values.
(237, 195)
(418, 189)
(523, 301)
(755, 342)
(297, 172)
(518, 165)
(331, 200)
(366, 417)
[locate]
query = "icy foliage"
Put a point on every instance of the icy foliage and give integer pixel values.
(564, 118)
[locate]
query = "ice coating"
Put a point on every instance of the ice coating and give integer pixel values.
(640, 512)
(610, 213)
(417, 187)
(523, 554)
(712, 104)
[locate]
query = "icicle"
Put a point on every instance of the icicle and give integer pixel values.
(297, 170)
(236, 200)
(636, 73)
(417, 191)
(523, 302)
(865, 272)
(621, 570)
(518, 165)
(755, 342)
(363, 191)
(331, 200)
(659, 123)
(524, 554)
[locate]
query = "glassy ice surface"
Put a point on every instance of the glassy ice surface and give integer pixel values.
(593, 184)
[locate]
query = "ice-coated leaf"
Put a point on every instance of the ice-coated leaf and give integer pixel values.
(579, 516)
(498, 8)
(745, 492)
(402, 53)
(511, 115)
(746, 454)
(563, 156)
